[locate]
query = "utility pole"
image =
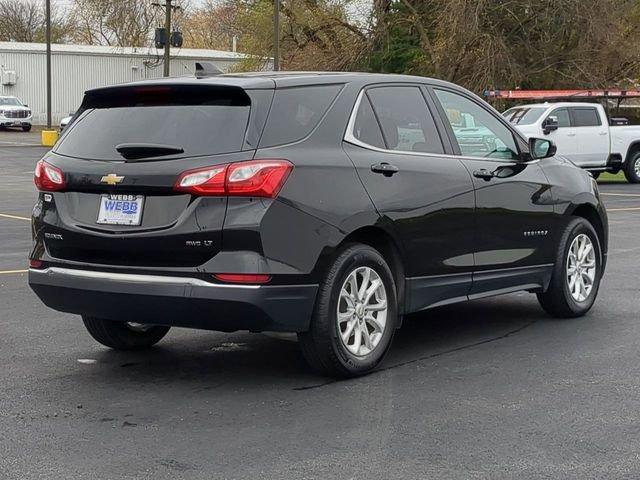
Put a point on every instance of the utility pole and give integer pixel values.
(169, 7)
(167, 45)
(276, 35)
(48, 39)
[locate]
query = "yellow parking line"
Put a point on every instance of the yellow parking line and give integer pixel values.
(630, 209)
(6, 272)
(15, 217)
(621, 194)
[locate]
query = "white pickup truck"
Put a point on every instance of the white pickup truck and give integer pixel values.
(582, 133)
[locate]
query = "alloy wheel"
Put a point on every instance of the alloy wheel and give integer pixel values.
(581, 268)
(362, 311)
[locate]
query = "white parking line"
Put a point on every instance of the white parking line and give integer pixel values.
(14, 217)
(6, 272)
(630, 209)
(19, 144)
(621, 194)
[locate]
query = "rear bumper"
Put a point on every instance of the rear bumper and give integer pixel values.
(175, 301)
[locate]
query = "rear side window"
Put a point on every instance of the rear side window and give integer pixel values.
(562, 114)
(366, 127)
(295, 112)
(524, 115)
(405, 119)
(199, 121)
(585, 117)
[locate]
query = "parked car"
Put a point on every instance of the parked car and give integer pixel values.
(14, 114)
(330, 205)
(582, 133)
(66, 120)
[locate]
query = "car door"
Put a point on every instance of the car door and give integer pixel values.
(565, 136)
(592, 136)
(423, 195)
(514, 207)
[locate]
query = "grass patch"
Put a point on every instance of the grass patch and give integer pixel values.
(607, 177)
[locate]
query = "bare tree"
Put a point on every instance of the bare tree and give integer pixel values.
(213, 25)
(116, 22)
(315, 34)
(515, 43)
(24, 21)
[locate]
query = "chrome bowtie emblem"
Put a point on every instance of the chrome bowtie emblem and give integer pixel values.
(112, 179)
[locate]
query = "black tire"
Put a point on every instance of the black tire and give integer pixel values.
(321, 346)
(557, 301)
(631, 168)
(27, 128)
(121, 336)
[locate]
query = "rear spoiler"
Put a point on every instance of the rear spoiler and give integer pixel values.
(164, 93)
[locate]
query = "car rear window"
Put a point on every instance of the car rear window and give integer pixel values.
(295, 112)
(200, 121)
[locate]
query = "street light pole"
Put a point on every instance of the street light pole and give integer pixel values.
(276, 35)
(48, 39)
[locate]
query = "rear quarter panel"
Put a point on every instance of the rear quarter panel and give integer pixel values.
(322, 201)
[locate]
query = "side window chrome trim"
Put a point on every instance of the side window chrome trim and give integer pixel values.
(349, 137)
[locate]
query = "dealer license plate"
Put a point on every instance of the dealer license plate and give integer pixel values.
(120, 209)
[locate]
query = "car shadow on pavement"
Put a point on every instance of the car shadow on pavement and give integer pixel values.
(207, 359)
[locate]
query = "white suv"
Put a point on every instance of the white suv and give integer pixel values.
(14, 114)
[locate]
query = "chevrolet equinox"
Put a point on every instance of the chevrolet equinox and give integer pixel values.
(325, 204)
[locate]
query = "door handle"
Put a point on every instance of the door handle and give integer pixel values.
(484, 174)
(385, 169)
(603, 133)
(572, 134)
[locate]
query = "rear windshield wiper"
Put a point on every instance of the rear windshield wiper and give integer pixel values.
(137, 151)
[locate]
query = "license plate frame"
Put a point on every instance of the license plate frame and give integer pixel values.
(120, 212)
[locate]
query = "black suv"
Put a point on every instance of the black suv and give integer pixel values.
(327, 204)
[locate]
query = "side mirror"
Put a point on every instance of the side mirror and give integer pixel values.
(25, 105)
(541, 148)
(549, 125)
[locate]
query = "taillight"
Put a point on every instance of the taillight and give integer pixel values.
(35, 263)
(243, 277)
(203, 181)
(257, 178)
(48, 178)
(254, 178)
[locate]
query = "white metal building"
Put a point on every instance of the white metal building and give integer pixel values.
(77, 68)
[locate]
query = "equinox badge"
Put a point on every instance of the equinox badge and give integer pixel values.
(111, 179)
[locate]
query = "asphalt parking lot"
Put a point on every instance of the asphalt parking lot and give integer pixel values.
(488, 389)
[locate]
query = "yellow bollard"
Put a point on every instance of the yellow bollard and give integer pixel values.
(49, 138)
